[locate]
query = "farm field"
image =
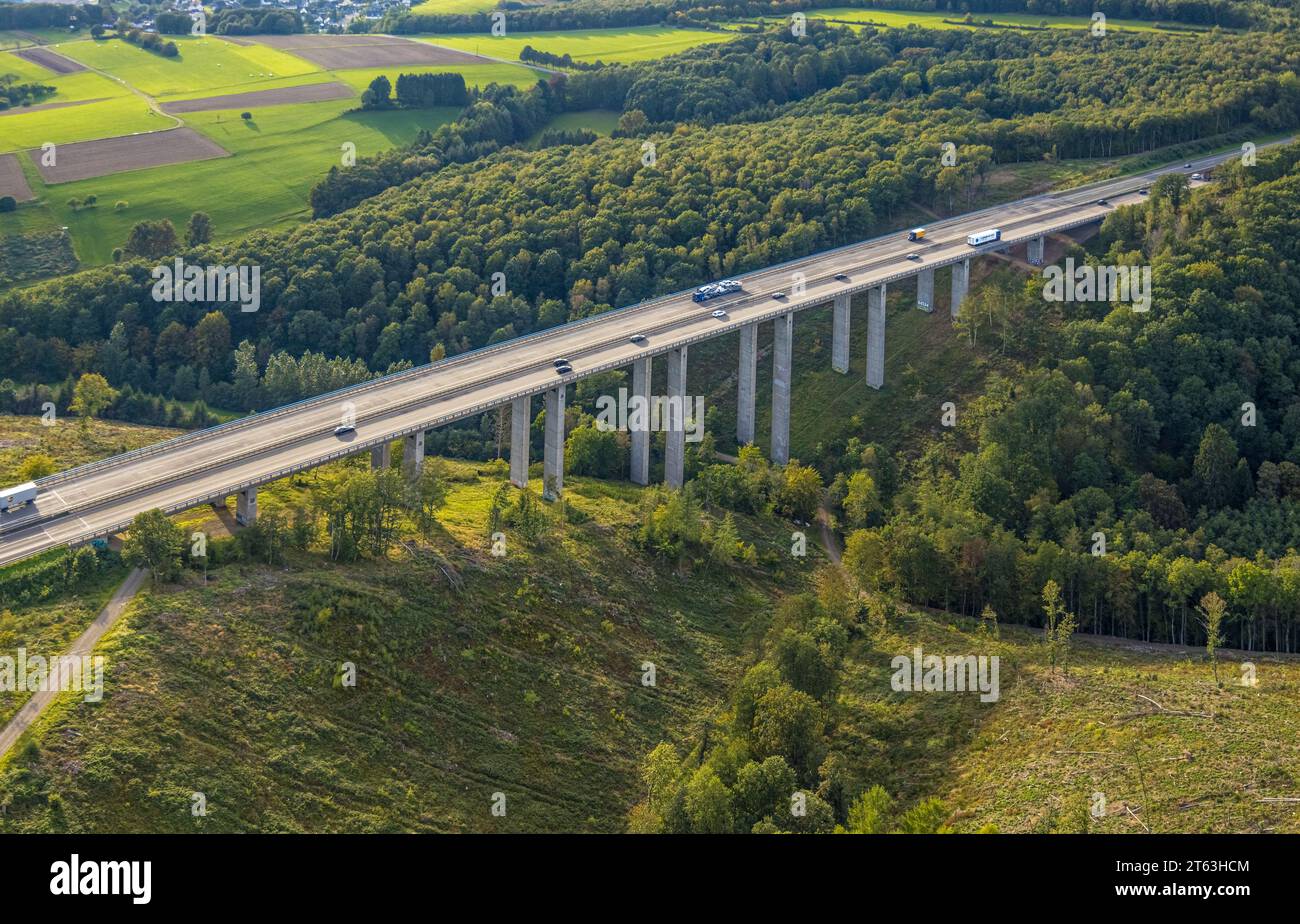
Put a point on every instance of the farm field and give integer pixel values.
(275, 160)
(935, 20)
(435, 7)
(207, 64)
(639, 43)
(123, 115)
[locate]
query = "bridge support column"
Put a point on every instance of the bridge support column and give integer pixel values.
(781, 360)
(520, 411)
(675, 425)
(1035, 250)
(246, 507)
(748, 377)
(840, 334)
(413, 455)
(925, 289)
(876, 337)
(640, 434)
(553, 462)
(381, 456)
(960, 283)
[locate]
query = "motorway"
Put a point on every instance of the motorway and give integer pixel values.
(206, 466)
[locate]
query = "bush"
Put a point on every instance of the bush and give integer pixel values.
(8, 203)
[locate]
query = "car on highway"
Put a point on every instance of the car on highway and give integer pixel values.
(563, 370)
(561, 362)
(637, 338)
(1144, 191)
(1103, 202)
(344, 429)
(779, 296)
(842, 277)
(913, 256)
(1187, 166)
(718, 313)
(1198, 176)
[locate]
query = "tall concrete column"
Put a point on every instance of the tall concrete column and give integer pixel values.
(521, 410)
(781, 362)
(748, 377)
(960, 282)
(413, 455)
(840, 334)
(876, 336)
(1035, 250)
(640, 434)
(553, 462)
(246, 507)
(925, 289)
(381, 456)
(675, 425)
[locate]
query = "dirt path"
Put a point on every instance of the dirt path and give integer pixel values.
(829, 541)
(84, 645)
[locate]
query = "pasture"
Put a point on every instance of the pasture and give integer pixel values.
(274, 161)
(639, 43)
(948, 19)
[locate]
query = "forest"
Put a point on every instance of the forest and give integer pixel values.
(1125, 425)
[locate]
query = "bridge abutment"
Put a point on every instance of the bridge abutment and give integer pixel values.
(960, 284)
(675, 425)
(553, 461)
(748, 379)
(925, 289)
(246, 507)
(840, 334)
(520, 423)
(876, 337)
(782, 343)
(640, 436)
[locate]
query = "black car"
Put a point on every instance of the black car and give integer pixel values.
(778, 295)
(561, 362)
(563, 370)
(842, 277)
(637, 338)
(1103, 202)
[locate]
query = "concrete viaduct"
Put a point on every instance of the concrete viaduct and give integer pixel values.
(235, 458)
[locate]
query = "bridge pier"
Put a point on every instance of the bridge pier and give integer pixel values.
(1035, 249)
(381, 456)
(876, 336)
(413, 455)
(520, 409)
(640, 435)
(925, 289)
(840, 334)
(246, 507)
(675, 425)
(781, 356)
(748, 377)
(553, 462)
(960, 283)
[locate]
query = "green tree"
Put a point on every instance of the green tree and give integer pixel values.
(1212, 609)
(156, 543)
(90, 396)
(199, 230)
(35, 466)
(869, 813)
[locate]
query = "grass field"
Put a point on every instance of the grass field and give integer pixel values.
(1032, 761)
(526, 680)
(640, 43)
(123, 115)
(935, 20)
(206, 64)
(276, 159)
(435, 7)
(600, 121)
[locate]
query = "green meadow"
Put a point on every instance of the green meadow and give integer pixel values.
(936, 20)
(600, 121)
(124, 115)
(436, 7)
(207, 64)
(640, 43)
(275, 160)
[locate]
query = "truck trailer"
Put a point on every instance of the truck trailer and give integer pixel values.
(984, 237)
(12, 498)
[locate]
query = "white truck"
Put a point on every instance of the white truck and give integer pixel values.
(984, 237)
(11, 498)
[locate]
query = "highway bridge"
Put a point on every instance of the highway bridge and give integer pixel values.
(210, 465)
